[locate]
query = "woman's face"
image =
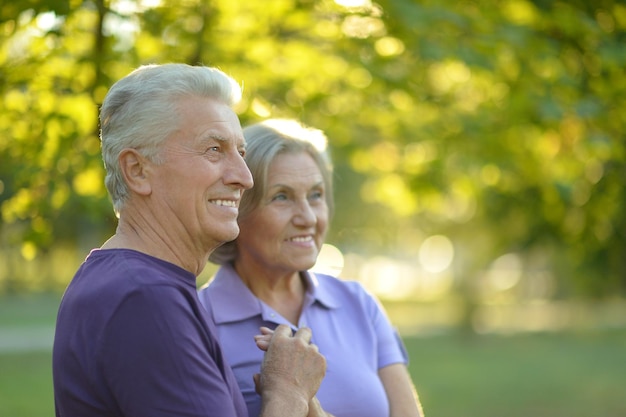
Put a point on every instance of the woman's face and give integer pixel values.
(286, 231)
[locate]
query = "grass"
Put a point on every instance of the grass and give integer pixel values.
(26, 385)
(573, 374)
(539, 375)
(28, 310)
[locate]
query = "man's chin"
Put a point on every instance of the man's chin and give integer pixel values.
(230, 235)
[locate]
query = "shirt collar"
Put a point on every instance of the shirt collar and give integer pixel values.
(231, 300)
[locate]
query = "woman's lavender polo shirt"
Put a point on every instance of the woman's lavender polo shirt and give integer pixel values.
(133, 340)
(349, 326)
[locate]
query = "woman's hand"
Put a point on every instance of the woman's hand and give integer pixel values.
(263, 340)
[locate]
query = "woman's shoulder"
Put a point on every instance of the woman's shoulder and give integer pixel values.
(340, 284)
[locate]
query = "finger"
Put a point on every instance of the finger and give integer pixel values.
(282, 331)
(304, 333)
(257, 383)
(266, 330)
(262, 341)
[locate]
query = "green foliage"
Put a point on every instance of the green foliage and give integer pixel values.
(498, 122)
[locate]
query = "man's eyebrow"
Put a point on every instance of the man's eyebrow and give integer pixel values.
(214, 136)
(238, 142)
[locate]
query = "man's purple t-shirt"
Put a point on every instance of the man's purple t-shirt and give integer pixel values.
(349, 326)
(133, 340)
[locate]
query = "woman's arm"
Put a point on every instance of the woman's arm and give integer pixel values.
(403, 399)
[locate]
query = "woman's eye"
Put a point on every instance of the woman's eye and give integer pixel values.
(279, 197)
(317, 195)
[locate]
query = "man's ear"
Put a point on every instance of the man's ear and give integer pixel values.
(134, 168)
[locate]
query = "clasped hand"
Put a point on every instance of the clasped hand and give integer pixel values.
(292, 367)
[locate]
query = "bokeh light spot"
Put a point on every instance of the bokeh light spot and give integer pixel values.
(436, 253)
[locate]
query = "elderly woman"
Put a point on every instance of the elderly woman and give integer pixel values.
(263, 281)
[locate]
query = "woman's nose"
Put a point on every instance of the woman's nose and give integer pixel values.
(305, 215)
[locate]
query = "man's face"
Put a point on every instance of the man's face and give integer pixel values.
(198, 186)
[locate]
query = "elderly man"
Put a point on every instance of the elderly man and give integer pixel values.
(132, 338)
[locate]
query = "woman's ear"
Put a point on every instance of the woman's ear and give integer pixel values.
(134, 167)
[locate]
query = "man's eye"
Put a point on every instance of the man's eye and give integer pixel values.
(212, 151)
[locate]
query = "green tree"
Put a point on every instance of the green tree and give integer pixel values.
(499, 123)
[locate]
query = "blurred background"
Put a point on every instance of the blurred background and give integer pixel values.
(480, 161)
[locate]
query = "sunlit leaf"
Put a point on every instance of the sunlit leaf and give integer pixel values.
(498, 121)
(89, 182)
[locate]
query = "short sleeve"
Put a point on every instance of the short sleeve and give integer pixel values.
(391, 348)
(158, 358)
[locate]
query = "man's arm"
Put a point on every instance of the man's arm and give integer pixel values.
(316, 410)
